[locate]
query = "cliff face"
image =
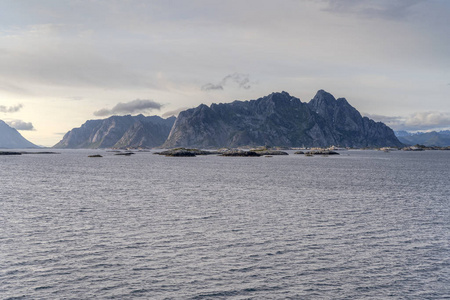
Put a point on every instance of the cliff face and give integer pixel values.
(279, 120)
(349, 127)
(119, 132)
(10, 138)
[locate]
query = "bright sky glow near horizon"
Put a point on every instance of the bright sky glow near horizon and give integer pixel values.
(64, 62)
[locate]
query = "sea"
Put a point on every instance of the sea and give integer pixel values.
(360, 225)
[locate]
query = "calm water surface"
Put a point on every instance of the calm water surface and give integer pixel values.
(363, 225)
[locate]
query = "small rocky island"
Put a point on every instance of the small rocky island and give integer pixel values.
(318, 152)
(10, 153)
(241, 153)
(268, 151)
(124, 153)
(25, 152)
(254, 152)
(185, 152)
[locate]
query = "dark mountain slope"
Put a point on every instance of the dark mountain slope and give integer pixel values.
(119, 132)
(279, 120)
(350, 128)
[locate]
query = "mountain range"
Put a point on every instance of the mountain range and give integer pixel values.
(433, 138)
(279, 119)
(10, 138)
(119, 132)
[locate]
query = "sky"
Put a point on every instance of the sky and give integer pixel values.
(64, 62)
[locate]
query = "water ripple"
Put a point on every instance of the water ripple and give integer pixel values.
(366, 225)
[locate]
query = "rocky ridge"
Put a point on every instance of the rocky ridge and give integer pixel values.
(279, 119)
(119, 132)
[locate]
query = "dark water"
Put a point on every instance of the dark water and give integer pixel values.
(364, 225)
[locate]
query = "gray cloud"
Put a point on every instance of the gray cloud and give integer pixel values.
(131, 107)
(211, 86)
(384, 119)
(416, 121)
(21, 125)
(11, 109)
(383, 9)
(174, 112)
(242, 80)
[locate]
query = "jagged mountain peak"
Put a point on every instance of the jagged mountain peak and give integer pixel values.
(324, 97)
(278, 96)
(273, 97)
(329, 107)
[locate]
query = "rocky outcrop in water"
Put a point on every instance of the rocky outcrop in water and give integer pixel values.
(25, 152)
(10, 138)
(119, 132)
(124, 153)
(318, 152)
(10, 153)
(241, 153)
(180, 152)
(279, 119)
(268, 151)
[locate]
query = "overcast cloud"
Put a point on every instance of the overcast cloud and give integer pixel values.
(132, 107)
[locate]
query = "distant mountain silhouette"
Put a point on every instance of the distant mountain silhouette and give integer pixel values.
(433, 138)
(10, 138)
